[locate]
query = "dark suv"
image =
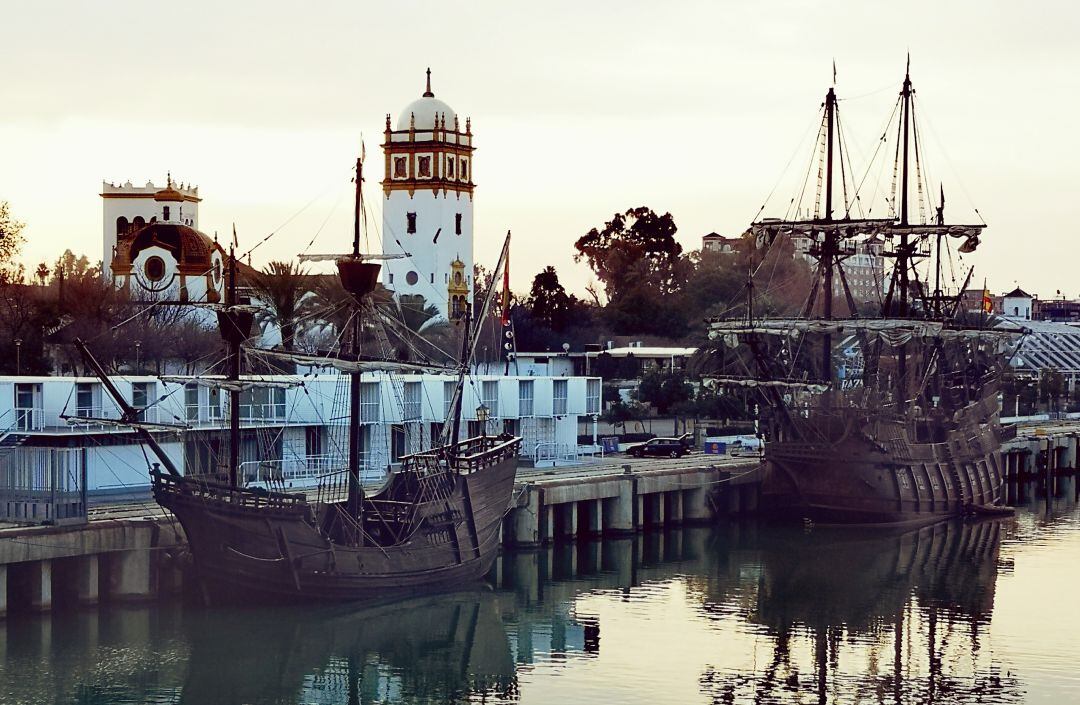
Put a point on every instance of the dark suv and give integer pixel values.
(666, 447)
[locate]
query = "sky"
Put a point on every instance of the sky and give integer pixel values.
(579, 110)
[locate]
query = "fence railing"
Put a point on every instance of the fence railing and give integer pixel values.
(43, 485)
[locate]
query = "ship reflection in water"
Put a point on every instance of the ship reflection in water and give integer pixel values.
(952, 613)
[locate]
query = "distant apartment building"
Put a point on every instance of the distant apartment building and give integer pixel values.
(863, 268)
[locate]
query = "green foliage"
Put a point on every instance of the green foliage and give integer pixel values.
(282, 291)
(548, 302)
(664, 390)
(621, 413)
(609, 367)
(11, 241)
(641, 267)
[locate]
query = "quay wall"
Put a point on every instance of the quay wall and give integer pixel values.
(130, 552)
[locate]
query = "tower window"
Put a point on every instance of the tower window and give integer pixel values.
(400, 168)
(391, 277)
(165, 213)
(464, 170)
(410, 222)
(121, 225)
(411, 278)
(457, 223)
(433, 277)
(155, 269)
(449, 167)
(425, 167)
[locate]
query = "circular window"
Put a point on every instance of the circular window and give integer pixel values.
(411, 278)
(154, 269)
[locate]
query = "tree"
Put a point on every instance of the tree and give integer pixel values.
(283, 297)
(619, 413)
(641, 267)
(11, 239)
(72, 267)
(631, 245)
(548, 301)
(664, 390)
(42, 273)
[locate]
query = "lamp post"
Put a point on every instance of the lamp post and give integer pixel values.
(482, 415)
(18, 356)
(138, 356)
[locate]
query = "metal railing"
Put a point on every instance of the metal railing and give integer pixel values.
(551, 451)
(28, 419)
(43, 485)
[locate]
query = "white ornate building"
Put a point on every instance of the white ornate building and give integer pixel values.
(428, 203)
(152, 246)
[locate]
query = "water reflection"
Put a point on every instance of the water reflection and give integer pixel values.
(742, 613)
(895, 617)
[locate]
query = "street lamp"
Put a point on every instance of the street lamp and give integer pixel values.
(482, 415)
(138, 356)
(18, 356)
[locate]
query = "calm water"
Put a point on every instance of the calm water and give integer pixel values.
(957, 613)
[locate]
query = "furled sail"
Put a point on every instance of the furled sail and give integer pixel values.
(241, 385)
(716, 382)
(891, 331)
(344, 364)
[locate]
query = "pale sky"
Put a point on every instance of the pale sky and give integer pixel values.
(578, 109)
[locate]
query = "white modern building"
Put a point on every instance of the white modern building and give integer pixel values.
(428, 204)
(293, 427)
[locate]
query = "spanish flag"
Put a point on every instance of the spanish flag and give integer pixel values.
(987, 302)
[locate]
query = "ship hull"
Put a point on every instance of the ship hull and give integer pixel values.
(876, 475)
(244, 551)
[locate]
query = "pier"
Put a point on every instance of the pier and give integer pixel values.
(127, 550)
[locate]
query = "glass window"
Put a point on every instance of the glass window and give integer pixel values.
(191, 401)
(448, 397)
(490, 393)
(400, 168)
(457, 223)
(84, 399)
(559, 392)
(369, 401)
(525, 397)
(424, 164)
(412, 401)
(410, 222)
(592, 396)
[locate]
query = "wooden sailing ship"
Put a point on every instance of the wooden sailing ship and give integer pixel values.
(913, 433)
(432, 525)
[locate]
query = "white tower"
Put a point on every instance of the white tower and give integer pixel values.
(128, 208)
(428, 208)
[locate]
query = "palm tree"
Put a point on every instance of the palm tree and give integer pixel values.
(425, 321)
(283, 295)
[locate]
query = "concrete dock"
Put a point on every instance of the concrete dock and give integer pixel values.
(127, 550)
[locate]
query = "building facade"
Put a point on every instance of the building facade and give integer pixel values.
(152, 246)
(292, 428)
(863, 267)
(428, 204)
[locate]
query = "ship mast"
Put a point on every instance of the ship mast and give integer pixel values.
(355, 499)
(234, 373)
(830, 244)
(903, 255)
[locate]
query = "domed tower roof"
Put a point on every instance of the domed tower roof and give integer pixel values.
(169, 194)
(187, 245)
(421, 113)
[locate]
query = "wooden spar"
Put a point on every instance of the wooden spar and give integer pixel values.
(458, 393)
(829, 243)
(355, 501)
(129, 414)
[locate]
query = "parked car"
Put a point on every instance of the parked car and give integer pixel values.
(665, 447)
